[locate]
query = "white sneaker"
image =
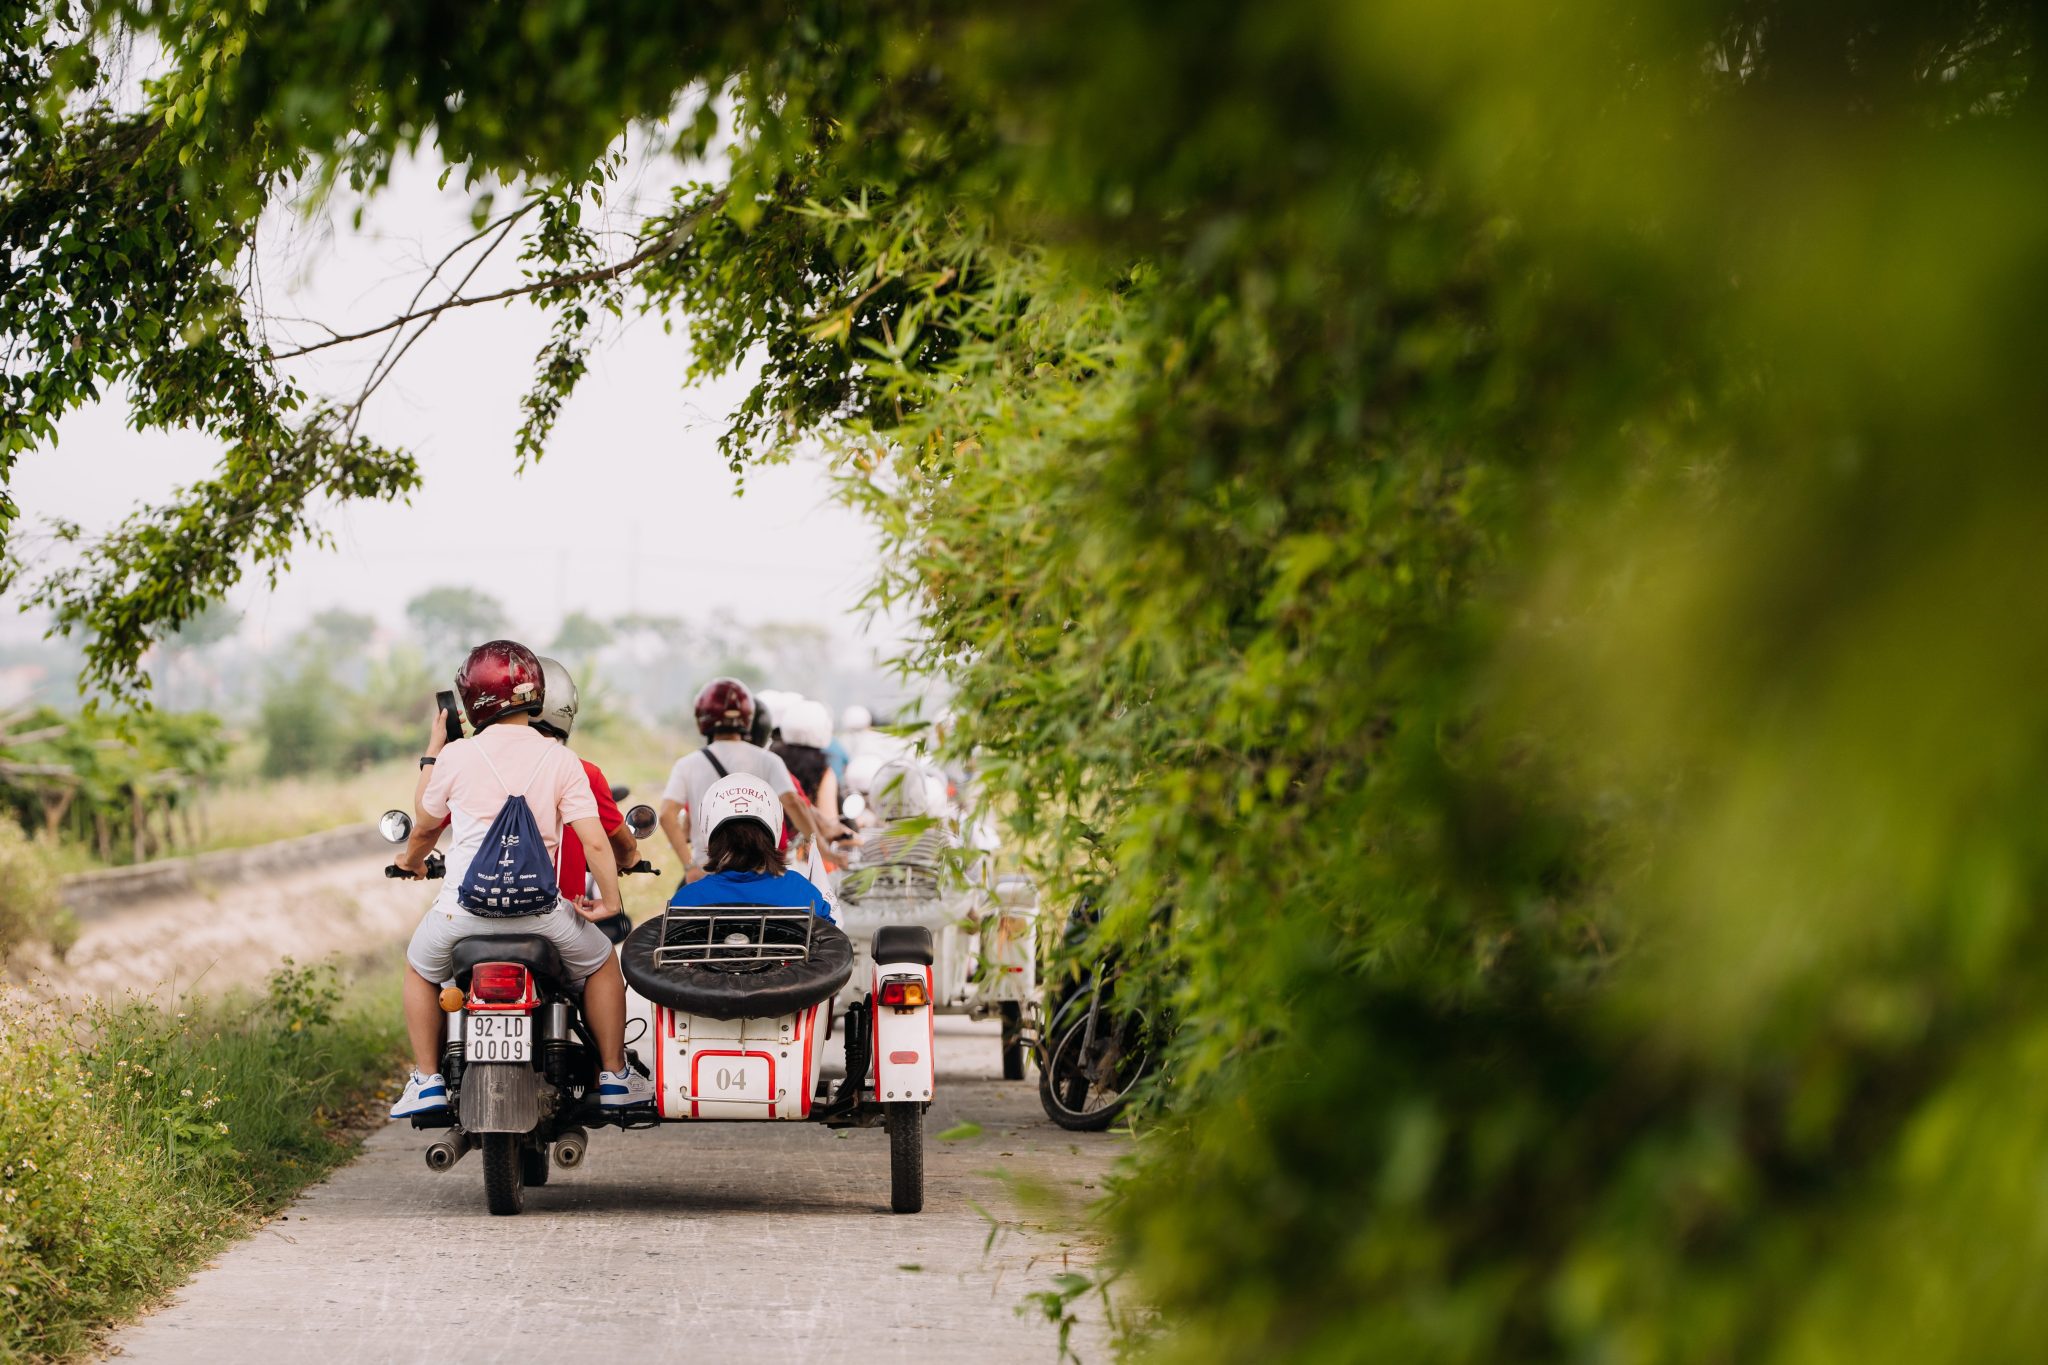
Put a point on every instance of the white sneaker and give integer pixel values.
(423, 1095)
(623, 1089)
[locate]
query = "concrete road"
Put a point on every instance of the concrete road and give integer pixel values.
(725, 1242)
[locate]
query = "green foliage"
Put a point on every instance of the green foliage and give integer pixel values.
(452, 621)
(120, 784)
(1501, 540)
(28, 890)
(581, 635)
(298, 724)
(132, 1141)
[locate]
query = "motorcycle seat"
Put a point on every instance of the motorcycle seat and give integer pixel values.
(903, 943)
(538, 955)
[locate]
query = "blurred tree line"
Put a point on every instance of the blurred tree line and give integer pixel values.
(1502, 540)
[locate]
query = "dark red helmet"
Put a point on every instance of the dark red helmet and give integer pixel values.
(500, 679)
(724, 707)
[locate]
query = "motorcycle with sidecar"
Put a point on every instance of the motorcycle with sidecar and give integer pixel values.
(731, 1011)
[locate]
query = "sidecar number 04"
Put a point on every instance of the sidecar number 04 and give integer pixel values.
(498, 1037)
(726, 1077)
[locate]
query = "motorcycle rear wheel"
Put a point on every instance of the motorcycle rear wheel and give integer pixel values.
(504, 1191)
(906, 1157)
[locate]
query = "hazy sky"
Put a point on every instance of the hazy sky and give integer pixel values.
(633, 463)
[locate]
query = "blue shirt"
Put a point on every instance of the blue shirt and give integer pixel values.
(792, 889)
(835, 754)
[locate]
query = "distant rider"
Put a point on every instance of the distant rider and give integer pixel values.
(725, 714)
(556, 719)
(465, 783)
(908, 799)
(806, 730)
(743, 864)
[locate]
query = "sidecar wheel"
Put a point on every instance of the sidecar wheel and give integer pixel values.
(906, 1157)
(503, 1190)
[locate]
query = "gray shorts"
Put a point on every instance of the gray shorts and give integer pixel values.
(583, 946)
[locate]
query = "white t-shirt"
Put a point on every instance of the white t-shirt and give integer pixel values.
(693, 775)
(472, 778)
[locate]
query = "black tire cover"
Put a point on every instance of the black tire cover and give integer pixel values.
(719, 994)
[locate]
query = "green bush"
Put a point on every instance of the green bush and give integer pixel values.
(132, 1141)
(298, 727)
(28, 890)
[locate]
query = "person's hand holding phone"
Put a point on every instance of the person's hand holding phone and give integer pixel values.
(437, 733)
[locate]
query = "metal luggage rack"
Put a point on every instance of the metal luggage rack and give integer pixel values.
(892, 881)
(734, 936)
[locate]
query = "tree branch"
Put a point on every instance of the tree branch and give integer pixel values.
(655, 250)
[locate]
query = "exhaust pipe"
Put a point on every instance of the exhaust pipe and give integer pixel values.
(443, 1153)
(569, 1148)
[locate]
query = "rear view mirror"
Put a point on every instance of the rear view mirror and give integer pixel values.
(854, 806)
(640, 819)
(395, 826)
(619, 790)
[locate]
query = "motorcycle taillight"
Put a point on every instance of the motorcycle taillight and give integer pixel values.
(499, 983)
(904, 992)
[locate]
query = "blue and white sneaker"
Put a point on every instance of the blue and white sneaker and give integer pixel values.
(423, 1095)
(623, 1089)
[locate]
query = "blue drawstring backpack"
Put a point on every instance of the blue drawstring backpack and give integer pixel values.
(512, 873)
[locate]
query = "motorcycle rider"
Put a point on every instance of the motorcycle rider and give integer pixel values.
(907, 797)
(502, 688)
(806, 730)
(725, 715)
(743, 861)
(556, 719)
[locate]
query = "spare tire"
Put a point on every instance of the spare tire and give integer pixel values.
(698, 988)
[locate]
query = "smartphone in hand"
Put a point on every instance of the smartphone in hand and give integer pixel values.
(451, 715)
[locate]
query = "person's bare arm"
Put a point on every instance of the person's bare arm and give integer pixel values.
(437, 740)
(625, 848)
(805, 818)
(425, 834)
(672, 826)
(597, 855)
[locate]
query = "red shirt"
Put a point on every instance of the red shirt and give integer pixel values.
(575, 875)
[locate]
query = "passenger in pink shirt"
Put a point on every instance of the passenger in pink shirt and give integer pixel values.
(463, 785)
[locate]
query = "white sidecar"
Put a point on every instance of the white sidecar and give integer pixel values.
(735, 1011)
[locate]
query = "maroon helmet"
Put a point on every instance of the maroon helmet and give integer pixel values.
(500, 679)
(724, 707)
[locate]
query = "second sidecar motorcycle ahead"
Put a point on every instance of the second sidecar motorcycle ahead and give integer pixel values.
(983, 927)
(730, 1012)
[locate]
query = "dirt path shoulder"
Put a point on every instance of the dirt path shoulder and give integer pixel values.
(214, 938)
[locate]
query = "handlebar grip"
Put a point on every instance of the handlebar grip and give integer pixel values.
(640, 867)
(437, 868)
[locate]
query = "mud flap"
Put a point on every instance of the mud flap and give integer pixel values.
(500, 1097)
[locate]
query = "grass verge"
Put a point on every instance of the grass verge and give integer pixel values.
(133, 1142)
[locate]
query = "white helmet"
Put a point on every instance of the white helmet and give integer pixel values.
(860, 771)
(901, 790)
(742, 797)
(855, 718)
(808, 723)
(558, 709)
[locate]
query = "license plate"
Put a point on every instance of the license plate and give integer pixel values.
(499, 1037)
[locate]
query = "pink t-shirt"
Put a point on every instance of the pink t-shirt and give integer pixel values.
(472, 778)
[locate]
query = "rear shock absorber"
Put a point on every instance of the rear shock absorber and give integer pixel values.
(557, 1044)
